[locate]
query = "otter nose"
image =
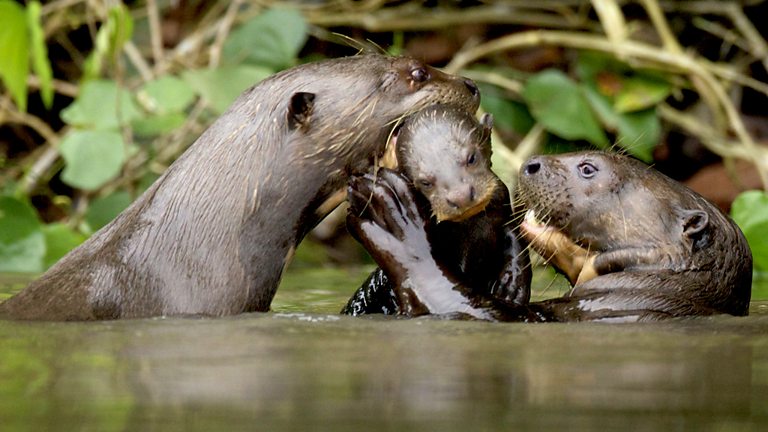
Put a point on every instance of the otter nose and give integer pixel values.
(462, 197)
(472, 87)
(531, 167)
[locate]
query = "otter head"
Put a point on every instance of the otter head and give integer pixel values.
(605, 201)
(594, 213)
(351, 106)
(446, 154)
(335, 118)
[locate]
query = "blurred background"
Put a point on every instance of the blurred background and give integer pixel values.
(97, 98)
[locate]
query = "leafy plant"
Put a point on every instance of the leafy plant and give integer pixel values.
(608, 99)
(112, 119)
(750, 211)
(21, 41)
(561, 106)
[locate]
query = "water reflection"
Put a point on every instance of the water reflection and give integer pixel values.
(285, 372)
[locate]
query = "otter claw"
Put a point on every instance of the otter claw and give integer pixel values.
(384, 217)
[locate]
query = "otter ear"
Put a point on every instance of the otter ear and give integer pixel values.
(300, 109)
(487, 121)
(694, 221)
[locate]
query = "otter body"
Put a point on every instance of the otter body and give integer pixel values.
(213, 234)
(634, 244)
(443, 156)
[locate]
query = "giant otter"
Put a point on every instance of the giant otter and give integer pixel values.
(444, 155)
(213, 234)
(635, 244)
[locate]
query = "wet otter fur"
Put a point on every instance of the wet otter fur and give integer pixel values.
(443, 158)
(212, 235)
(634, 243)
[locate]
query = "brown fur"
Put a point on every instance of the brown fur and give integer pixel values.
(213, 234)
(631, 239)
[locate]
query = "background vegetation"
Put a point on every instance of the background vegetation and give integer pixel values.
(97, 97)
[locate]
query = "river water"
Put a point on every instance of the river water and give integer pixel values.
(302, 367)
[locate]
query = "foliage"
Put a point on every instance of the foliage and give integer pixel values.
(110, 39)
(111, 120)
(559, 104)
(750, 211)
(21, 37)
(609, 97)
(22, 242)
(280, 34)
(130, 106)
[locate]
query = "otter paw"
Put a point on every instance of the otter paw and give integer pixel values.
(385, 218)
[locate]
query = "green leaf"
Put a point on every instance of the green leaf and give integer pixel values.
(637, 132)
(59, 239)
(590, 64)
(272, 39)
(628, 89)
(166, 95)
(104, 209)
(22, 244)
(111, 37)
(559, 104)
(640, 92)
(220, 87)
(40, 62)
(92, 157)
(157, 125)
(750, 211)
(101, 105)
(14, 51)
(507, 114)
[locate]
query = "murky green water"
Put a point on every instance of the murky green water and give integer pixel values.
(314, 370)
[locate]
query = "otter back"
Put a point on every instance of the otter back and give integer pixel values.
(213, 234)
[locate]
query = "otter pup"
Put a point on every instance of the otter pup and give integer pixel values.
(212, 235)
(635, 244)
(443, 156)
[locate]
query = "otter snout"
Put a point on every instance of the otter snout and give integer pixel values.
(461, 197)
(472, 87)
(532, 166)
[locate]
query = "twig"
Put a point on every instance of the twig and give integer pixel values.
(496, 79)
(56, 6)
(662, 26)
(225, 24)
(48, 156)
(155, 35)
(138, 61)
(684, 63)
(60, 87)
(758, 46)
(672, 45)
(412, 17)
(612, 20)
(705, 133)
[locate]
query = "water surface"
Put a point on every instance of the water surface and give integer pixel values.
(303, 367)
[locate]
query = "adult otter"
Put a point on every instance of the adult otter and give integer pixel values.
(444, 157)
(635, 244)
(213, 234)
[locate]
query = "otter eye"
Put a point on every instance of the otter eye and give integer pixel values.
(419, 74)
(426, 184)
(471, 159)
(587, 170)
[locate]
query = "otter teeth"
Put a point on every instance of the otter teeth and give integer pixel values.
(530, 218)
